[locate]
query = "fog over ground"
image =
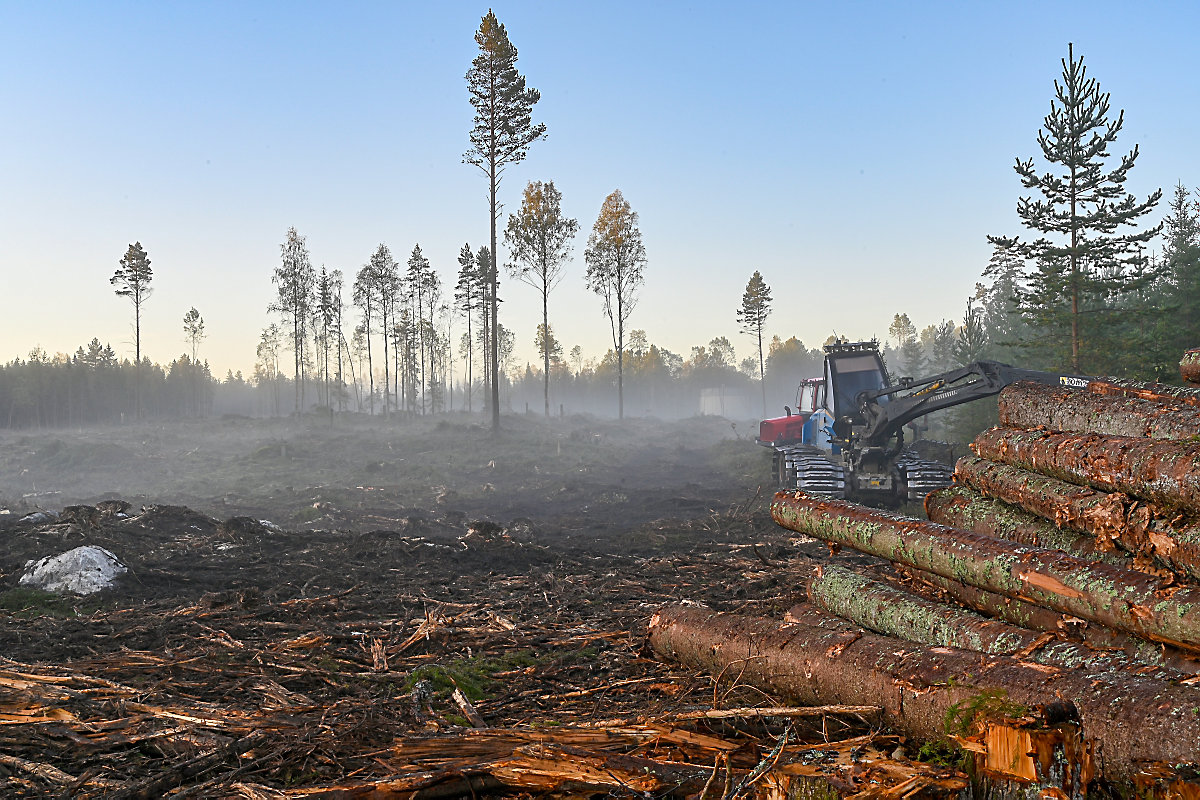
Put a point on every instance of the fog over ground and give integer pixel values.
(364, 473)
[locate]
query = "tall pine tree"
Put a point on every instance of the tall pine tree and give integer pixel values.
(752, 316)
(1088, 253)
(132, 280)
(502, 133)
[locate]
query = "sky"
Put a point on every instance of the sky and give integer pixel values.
(856, 153)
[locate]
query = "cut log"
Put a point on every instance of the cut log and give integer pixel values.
(1166, 472)
(1130, 601)
(1128, 721)
(1036, 618)
(1189, 366)
(965, 508)
(1142, 528)
(888, 610)
(1158, 392)
(1032, 405)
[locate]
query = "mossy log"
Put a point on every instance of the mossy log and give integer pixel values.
(1189, 366)
(1158, 392)
(1127, 721)
(1037, 618)
(1163, 471)
(964, 508)
(1130, 601)
(1145, 529)
(1032, 405)
(894, 612)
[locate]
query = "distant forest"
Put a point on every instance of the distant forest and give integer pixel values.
(1139, 333)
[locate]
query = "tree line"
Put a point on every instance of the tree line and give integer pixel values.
(1081, 290)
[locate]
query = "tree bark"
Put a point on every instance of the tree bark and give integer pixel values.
(965, 508)
(1032, 405)
(1033, 617)
(1158, 392)
(1189, 366)
(1128, 721)
(1144, 529)
(891, 611)
(493, 279)
(1166, 472)
(1121, 599)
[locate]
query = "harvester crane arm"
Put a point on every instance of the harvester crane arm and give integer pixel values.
(886, 411)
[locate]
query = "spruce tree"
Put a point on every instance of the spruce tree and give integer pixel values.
(1181, 262)
(1088, 253)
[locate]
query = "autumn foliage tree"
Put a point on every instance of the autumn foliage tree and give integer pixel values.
(539, 240)
(616, 259)
(502, 133)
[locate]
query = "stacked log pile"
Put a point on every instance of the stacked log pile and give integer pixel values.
(1046, 617)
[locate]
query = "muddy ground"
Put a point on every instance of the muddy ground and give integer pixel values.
(313, 594)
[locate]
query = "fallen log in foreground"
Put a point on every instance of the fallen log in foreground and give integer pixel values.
(965, 508)
(888, 610)
(1141, 528)
(1036, 618)
(1121, 599)
(1167, 472)
(1189, 366)
(1032, 405)
(1129, 723)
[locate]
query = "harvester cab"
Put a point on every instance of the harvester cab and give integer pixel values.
(851, 442)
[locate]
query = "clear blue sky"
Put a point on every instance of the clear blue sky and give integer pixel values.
(856, 153)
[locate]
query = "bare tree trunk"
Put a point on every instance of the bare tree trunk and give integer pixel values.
(492, 281)
(1120, 599)
(137, 365)
(546, 347)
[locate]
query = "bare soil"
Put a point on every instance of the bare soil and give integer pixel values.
(313, 594)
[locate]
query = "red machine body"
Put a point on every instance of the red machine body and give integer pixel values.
(789, 429)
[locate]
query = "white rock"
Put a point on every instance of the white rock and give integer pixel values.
(84, 570)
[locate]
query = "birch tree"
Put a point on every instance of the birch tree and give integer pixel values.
(539, 239)
(616, 259)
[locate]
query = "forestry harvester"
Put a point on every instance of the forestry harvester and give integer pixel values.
(846, 437)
